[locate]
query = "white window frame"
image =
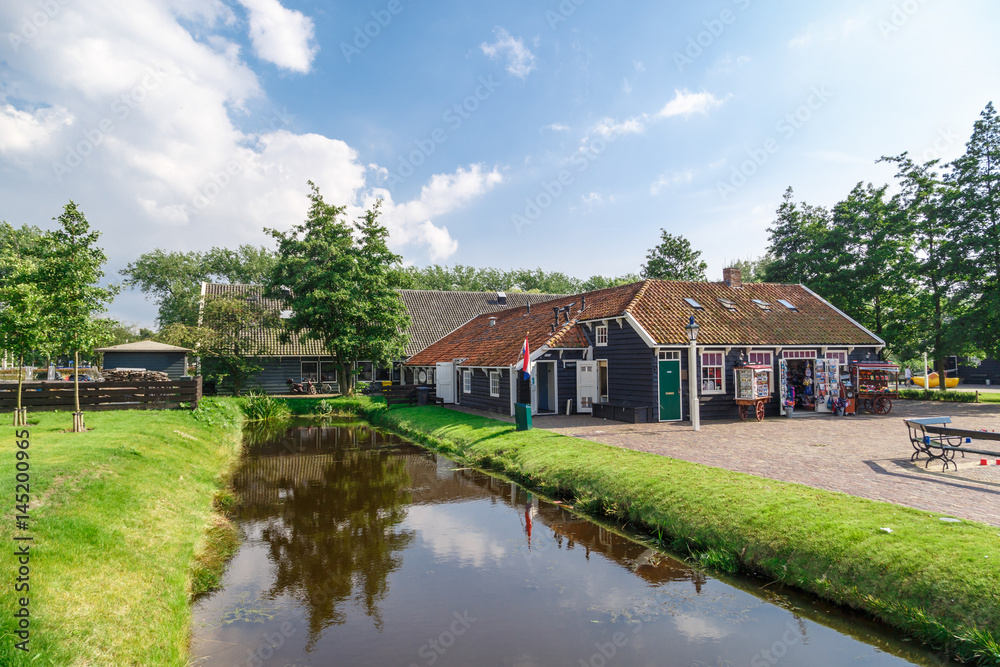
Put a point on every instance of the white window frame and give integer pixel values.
(312, 376)
(330, 366)
(601, 335)
(799, 354)
(839, 355)
(668, 355)
(603, 363)
(769, 362)
(466, 382)
(495, 384)
(721, 384)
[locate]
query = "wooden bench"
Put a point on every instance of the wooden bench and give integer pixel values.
(399, 395)
(408, 394)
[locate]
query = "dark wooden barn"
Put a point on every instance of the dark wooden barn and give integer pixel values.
(147, 355)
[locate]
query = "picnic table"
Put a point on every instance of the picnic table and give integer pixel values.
(932, 436)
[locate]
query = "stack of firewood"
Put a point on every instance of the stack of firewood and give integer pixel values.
(115, 375)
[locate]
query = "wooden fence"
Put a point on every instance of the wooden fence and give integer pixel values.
(137, 395)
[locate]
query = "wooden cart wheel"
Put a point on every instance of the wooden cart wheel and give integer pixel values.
(883, 404)
(743, 412)
(760, 411)
(868, 405)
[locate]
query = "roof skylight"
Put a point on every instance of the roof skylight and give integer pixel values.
(763, 305)
(694, 304)
(787, 304)
(727, 304)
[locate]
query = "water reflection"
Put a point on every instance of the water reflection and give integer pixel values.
(360, 549)
(330, 518)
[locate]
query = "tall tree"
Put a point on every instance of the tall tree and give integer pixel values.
(673, 259)
(173, 279)
(976, 179)
(24, 328)
(752, 269)
(341, 290)
(800, 238)
(874, 247)
(230, 357)
(70, 274)
(927, 208)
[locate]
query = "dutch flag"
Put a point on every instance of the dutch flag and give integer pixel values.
(526, 354)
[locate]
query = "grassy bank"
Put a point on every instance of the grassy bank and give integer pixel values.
(937, 581)
(124, 533)
(950, 395)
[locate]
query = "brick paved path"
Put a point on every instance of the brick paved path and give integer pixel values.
(864, 455)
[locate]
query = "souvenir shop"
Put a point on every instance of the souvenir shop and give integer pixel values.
(808, 383)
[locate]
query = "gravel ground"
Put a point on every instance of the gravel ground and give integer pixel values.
(864, 455)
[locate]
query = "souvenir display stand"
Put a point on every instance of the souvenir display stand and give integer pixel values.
(826, 385)
(753, 389)
(875, 384)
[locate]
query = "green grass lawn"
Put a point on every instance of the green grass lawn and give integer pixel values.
(938, 581)
(117, 515)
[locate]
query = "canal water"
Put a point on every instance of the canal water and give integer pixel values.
(361, 549)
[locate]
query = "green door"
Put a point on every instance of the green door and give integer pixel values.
(670, 390)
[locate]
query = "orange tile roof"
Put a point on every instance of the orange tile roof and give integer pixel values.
(659, 307)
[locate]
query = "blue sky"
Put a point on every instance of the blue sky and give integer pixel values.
(554, 134)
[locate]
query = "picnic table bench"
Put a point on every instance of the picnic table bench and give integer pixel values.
(407, 394)
(931, 436)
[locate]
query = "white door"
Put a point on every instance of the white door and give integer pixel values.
(586, 385)
(446, 382)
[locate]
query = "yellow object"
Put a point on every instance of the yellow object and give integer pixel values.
(932, 381)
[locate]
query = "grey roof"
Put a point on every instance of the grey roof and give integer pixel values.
(143, 346)
(433, 315)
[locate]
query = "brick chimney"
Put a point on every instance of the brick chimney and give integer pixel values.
(732, 277)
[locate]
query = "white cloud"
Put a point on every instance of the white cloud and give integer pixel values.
(626, 87)
(670, 180)
(21, 131)
(686, 103)
(520, 61)
(166, 141)
(557, 127)
(609, 128)
(411, 223)
(281, 36)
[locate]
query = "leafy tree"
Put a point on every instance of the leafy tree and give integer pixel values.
(602, 282)
(976, 178)
(174, 279)
(799, 241)
(673, 259)
(25, 330)
(230, 357)
(873, 246)
(927, 207)
(69, 277)
(752, 270)
(341, 290)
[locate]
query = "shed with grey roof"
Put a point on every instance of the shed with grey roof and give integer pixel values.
(148, 355)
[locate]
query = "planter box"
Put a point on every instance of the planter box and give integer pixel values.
(623, 412)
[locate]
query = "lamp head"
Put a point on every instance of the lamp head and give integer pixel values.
(692, 329)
